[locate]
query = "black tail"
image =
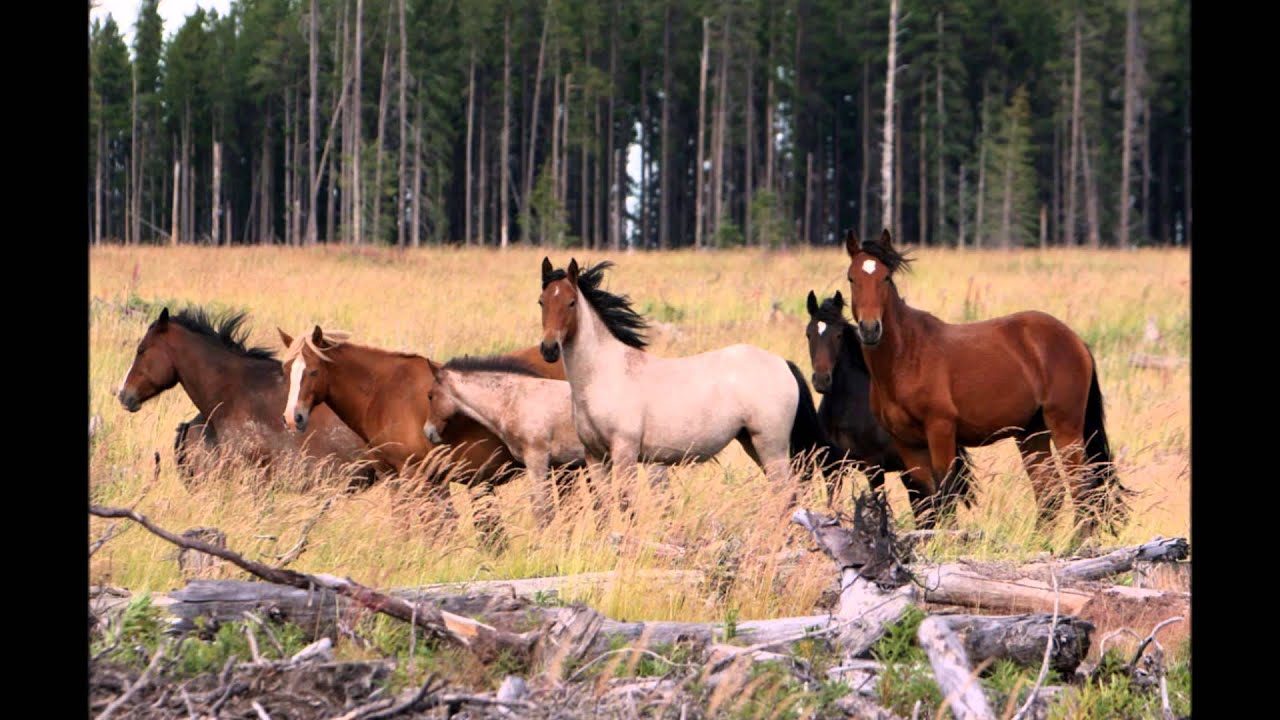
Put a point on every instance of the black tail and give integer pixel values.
(808, 437)
(1108, 495)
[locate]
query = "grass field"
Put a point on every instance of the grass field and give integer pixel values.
(444, 303)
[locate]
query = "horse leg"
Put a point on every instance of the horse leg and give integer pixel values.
(774, 457)
(537, 465)
(1037, 458)
(918, 480)
(1068, 437)
(941, 433)
(625, 456)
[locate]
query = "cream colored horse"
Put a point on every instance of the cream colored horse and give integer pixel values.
(630, 406)
(529, 413)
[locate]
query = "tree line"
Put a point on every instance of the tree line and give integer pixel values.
(966, 123)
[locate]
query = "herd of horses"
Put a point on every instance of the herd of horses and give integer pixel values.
(902, 391)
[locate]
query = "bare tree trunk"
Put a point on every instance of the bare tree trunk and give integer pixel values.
(357, 137)
(615, 190)
(1044, 226)
(1130, 101)
(1073, 161)
(1091, 192)
(382, 135)
(97, 178)
(554, 170)
(1057, 173)
(216, 206)
(603, 193)
(748, 175)
(313, 119)
(288, 175)
(348, 123)
(584, 194)
(1166, 203)
(702, 112)
(924, 162)
(177, 187)
(960, 215)
(940, 223)
(404, 141)
(864, 196)
(808, 199)
(484, 173)
(131, 181)
(564, 147)
(417, 178)
(722, 92)
(265, 232)
(1145, 234)
(1186, 170)
(505, 158)
(618, 198)
(769, 101)
(533, 129)
(471, 108)
(978, 227)
(1006, 205)
(897, 179)
(644, 157)
(298, 228)
(187, 197)
(664, 199)
(887, 157)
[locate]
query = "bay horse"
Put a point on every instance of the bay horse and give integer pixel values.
(936, 386)
(236, 389)
(630, 406)
(385, 397)
(531, 414)
(841, 376)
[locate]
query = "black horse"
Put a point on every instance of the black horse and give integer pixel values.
(840, 374)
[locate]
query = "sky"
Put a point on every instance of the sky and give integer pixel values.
(173, 12)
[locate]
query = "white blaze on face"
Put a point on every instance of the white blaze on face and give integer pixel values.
(869, 267)
(295, 385)
(127, 373)
(557, 292)
(822, 328)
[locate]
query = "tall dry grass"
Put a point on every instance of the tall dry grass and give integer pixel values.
(444, 302)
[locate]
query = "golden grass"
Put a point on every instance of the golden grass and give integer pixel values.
(447, 302)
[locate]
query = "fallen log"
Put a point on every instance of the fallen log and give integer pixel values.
(1159, 550)
(957, 584)
(957, 679)
(1022, 638)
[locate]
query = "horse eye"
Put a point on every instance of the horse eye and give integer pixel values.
(314, 373)
(573, 303)
(539, 301)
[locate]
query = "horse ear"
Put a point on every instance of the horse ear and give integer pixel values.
(886, 240)
(546, 269)
(839, 300)
(163, 319)
(317, 336)
(851, 243)
(812, 303)
(435, 367)
(573, 272)
(284, 338)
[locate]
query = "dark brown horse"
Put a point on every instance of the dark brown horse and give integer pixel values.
(840, 374)
(936, 386)
(237, 389)
(385, 397)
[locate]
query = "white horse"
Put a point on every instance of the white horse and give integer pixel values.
(532, 415)
(630, 406)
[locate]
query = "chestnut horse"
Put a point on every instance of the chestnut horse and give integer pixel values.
(936, 386)
(384, 396)
(533, 415)
(237, 389)
(840, 374)
(630, 406)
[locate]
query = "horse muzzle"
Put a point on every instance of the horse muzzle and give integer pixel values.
(129, 399)
(300, 421)
(869, 333)
(550, 351)
(822, 382)
(432, 434)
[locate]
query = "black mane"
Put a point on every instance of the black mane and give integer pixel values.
(891, 258)
(615, 310)
(831, 312)
(490, 363)
(226, 328)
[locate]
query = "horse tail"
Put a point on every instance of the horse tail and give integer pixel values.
(1103, 481)
(807, 434)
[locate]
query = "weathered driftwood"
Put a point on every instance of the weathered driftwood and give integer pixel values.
(1022, 638)
(957, 680)
(1160, 550)
(957, 584)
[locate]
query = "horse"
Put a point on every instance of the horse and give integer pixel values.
(385, 397)
(841, 376)
(630, 406)
(237, 390)
(532, 415)
(936, 386)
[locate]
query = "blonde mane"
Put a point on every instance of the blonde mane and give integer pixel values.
(334, 338)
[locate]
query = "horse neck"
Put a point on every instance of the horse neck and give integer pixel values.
(206, 370)
(901, 326)
(594, 353)
(850, 366)
(480, 397)
(352, 381)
